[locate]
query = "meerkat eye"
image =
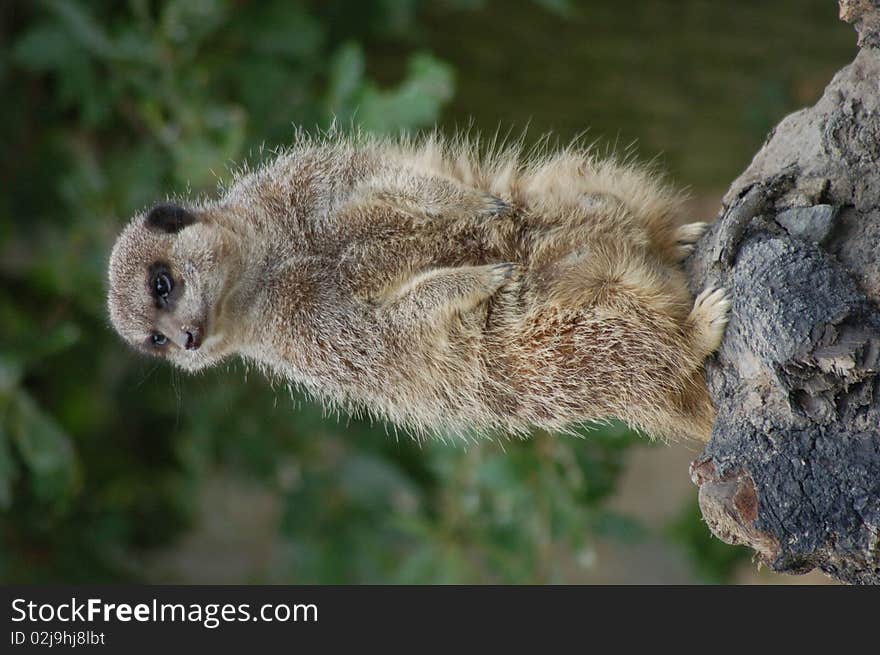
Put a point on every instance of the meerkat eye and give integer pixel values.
(158, 339)
(162, 284)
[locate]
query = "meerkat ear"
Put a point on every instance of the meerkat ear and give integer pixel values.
(169, 218)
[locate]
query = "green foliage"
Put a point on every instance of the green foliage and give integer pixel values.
(416, 101)
(502, 512)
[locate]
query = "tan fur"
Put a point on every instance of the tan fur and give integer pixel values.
(444, 290)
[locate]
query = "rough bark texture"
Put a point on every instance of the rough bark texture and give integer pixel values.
(793, 466)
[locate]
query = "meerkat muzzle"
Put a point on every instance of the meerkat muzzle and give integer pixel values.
(186, 337)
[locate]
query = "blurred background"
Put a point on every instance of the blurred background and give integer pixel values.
(116, 468)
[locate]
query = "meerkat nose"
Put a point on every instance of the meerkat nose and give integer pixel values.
(193, 338)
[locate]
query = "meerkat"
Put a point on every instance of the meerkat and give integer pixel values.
(445, 289)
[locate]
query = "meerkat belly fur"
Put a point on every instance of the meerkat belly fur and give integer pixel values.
(442, 289)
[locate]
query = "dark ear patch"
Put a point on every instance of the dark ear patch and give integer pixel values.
(169, 218)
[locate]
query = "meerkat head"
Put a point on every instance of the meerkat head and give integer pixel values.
(171, 272)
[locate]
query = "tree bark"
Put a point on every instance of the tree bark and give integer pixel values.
(793, 466)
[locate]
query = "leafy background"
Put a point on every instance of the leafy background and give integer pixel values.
(116, 468)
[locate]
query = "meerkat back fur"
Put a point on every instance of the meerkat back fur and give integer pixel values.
(444, 289)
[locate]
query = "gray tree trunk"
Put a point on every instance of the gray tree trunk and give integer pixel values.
(793, 466)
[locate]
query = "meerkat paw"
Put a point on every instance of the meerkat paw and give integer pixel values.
(443, 291)
(480, 284)
(709, 317)
(477, 284)
(686, 236)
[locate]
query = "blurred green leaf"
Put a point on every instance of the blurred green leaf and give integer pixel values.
(10, 373)
(209, 147)
(81, 26)
(346, 78)
(45, 450)
(187, 22)
(279, 28)
(415, 102)
(8, 469)
(46, 47)
(26, 342)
